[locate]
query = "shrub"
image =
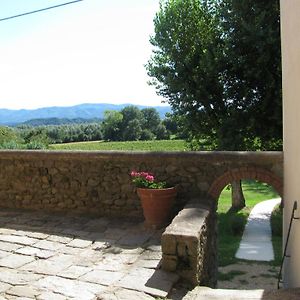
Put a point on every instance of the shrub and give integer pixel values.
(237, 224)
(36, 145)
(147, 135)
(276, 221)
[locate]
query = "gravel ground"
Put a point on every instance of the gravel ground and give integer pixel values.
(249, 275)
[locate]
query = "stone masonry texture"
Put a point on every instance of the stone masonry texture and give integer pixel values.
(99, 182)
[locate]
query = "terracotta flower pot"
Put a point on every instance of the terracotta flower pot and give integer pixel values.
(157, 205)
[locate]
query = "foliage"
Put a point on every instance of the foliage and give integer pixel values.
(64, 133)
(217, 63)
(36, 138)
(129, 124)
(133, 124)
(151, 119)
(155, 145)
(111, 125)
(253, 68)
(276, 221)
(146, 180)
(132, 131)
(11, 139)
(36, 145)
(147, 135)
(277, 230)
(7, 136)
(58, 121)
(185, 67)
(161, 132)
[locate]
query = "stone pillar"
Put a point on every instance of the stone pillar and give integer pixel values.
(290, 38)
(189, 245)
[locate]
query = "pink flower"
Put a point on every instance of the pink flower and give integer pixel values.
(150, 178)
(134, 174)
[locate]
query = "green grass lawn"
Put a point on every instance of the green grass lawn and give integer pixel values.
(156, 145)
(231, 224)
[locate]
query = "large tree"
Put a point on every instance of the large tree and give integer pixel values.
(217, 63)
(185, 65)
(252, 70)
(112, 125)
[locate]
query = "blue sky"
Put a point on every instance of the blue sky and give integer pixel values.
(92, 51)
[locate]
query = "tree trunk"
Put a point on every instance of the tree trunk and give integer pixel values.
(237, 196)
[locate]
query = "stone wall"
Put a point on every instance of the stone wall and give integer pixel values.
(189, 245)
(99, 182)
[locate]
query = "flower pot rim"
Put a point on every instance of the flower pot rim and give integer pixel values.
(148, 189)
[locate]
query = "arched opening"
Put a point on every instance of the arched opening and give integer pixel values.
(261, 175)
(243, 273)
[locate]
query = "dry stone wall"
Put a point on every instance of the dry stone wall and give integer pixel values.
(99, 182)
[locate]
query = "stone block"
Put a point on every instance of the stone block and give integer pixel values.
(189, 229)
(169, 262)
(182, 249)
(168, 244)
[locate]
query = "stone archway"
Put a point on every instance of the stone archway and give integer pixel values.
(246, 173)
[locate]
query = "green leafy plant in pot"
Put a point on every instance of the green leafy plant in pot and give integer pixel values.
(156, 198)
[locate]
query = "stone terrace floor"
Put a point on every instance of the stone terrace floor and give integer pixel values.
(49, 256)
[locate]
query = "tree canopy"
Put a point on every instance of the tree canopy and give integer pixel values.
(132, 124)
(217, 63)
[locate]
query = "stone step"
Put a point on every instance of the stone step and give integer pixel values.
(205, 293)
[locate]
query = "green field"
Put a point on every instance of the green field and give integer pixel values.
(156, 145)
(231, 224)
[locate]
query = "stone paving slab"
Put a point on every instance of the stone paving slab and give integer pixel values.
(204, 293)
(15, 261)
(102, 277)
(45, 256)
(214, 294)
(121, 294)
(154, 282)
(73, 272)
(36, 252)
(5, 246)
(74, 289)
(17, 277)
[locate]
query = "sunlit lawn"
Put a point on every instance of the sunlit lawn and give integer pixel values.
(156, 145)
(231, 224)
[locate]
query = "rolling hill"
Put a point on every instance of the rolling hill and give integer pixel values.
(83, 111)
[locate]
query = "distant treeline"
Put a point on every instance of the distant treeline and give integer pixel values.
(58, 121)
(129, 124)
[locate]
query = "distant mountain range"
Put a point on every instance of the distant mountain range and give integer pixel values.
(82, 111)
